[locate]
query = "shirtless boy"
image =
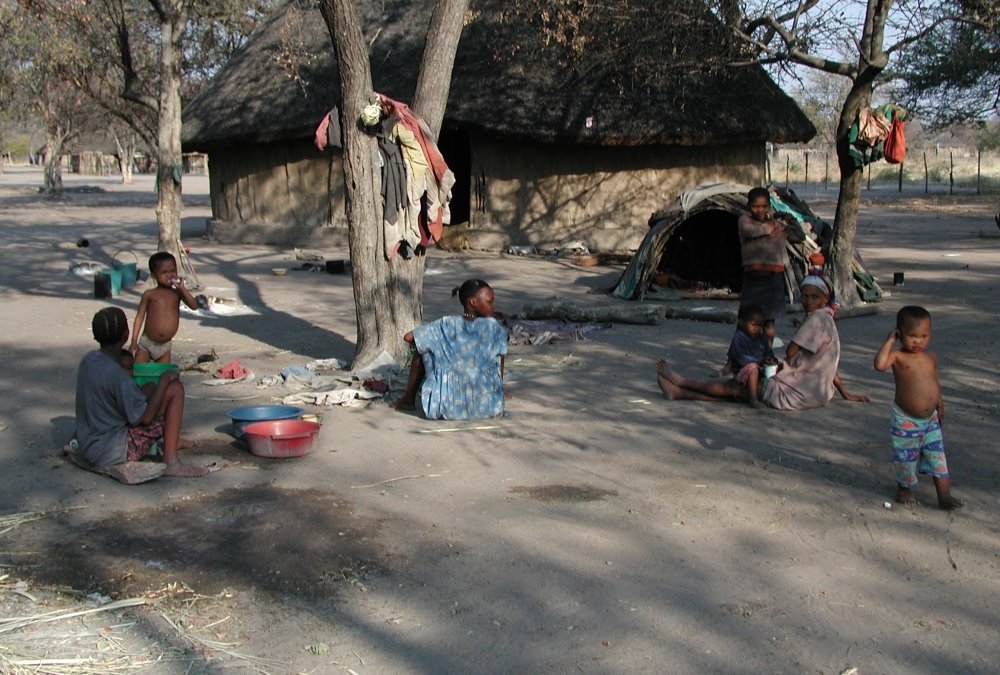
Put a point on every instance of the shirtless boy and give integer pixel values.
(159, 315)
(918, 410)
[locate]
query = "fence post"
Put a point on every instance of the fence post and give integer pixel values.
(807, 169)
(788, 166)
(979, 169)
(869, 175)
(926, 175)
(826, 168)
(901, 176)
(951, 172)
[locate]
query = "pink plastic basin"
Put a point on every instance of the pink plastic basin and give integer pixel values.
(281, 438)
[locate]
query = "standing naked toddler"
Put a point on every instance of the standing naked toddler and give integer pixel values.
(159, 315)
(918, 410)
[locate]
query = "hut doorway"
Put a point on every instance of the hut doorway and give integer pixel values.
(455, 147)
(705, 249)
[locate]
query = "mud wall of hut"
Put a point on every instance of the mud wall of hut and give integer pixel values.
(277, 193)
(549, 195)
(542, 195)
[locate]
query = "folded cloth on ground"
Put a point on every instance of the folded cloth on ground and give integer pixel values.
(326, 364)
(384, 367)
(219, 381)
(312, 380)
(129, 473)
(231, 371)
(295, 370)
(347, 396)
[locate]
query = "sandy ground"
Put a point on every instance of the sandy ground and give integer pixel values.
(598, 529)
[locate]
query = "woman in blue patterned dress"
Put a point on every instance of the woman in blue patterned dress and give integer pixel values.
(458, 362)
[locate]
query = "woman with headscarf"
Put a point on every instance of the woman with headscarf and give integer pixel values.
(806, 379)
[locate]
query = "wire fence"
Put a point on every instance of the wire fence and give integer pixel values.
(933, 170)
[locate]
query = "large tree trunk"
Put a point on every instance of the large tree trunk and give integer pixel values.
(871, 62)
(845, 222)
(387, 293)
(173, 16)
(434, 81)
(52, 172)
(52, 159)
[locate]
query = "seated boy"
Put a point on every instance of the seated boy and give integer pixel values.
(115, 421)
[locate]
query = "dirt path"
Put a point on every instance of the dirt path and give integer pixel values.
(597, 529)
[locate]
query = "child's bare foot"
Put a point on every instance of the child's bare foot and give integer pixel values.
(905, 496)
(950, 503)
(669, 389)
(663, 368)
(404, 404)
(757, 403)
(179, 470)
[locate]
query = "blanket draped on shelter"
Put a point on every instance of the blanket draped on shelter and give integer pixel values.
(673, 247)
(416, 181)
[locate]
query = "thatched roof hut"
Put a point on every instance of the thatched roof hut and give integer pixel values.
(556, 129)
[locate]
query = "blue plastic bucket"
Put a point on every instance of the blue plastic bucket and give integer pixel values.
(129, 270)
(243, 417)
(107, 283)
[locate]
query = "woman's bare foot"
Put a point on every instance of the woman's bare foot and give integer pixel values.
(905, 496)
(185, 443)
(404, 404)
(179, 470)
(950, 503)
(664, 370)
(669, 389)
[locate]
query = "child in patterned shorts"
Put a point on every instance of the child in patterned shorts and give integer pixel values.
(918, 410)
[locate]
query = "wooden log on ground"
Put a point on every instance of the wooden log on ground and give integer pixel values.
(710, 314)
(635, 313)
(866, 309)
(858, 310)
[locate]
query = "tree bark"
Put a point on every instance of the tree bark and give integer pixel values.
(387, 292)
(126, 152)
(52, 158)
(434, 81)
(173, 16)
(872, 60)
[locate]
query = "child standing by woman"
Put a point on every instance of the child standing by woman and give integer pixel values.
(458, 362)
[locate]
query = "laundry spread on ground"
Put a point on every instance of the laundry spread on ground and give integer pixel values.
(543, 331)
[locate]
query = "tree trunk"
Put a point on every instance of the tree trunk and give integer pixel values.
(126, 153)
(173, 15)
(52, 158)
(871, 62)
(387, 292)
(434, 81)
